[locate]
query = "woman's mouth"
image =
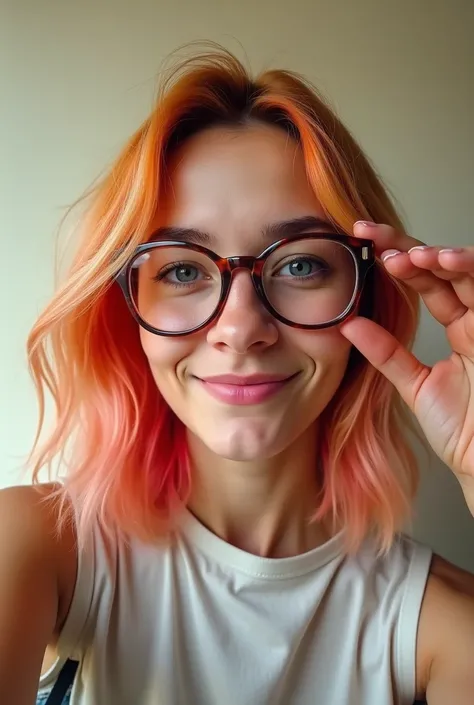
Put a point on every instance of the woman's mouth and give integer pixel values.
(241, 391)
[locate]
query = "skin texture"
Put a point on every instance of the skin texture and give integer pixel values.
(249, 461)
(251, 464)
(441, 397)
(37, 576)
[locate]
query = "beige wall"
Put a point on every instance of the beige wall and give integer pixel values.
(76, 78)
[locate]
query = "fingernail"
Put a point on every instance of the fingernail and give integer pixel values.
(366, 223)
(390, 253)
(420, 247)
(452, 249)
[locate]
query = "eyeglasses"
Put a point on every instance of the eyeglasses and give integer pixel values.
(175, 288)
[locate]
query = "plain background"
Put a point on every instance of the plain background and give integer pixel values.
(76, 78)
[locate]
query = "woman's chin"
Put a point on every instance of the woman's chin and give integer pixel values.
(244, 442)
(239, 454)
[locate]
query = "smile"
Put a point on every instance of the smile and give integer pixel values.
(244, 391)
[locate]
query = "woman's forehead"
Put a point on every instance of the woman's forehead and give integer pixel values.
(237, 181)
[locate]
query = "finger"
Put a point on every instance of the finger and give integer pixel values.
(457, 259)
(455, 267)
(449, 264)
(385, 353)
(439, 296)
(385, 237)
(446, 303)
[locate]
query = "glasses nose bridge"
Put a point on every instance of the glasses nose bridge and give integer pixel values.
(254, 266)
(241, 262)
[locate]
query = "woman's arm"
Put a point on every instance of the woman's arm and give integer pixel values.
(37, 576)
(445, 653)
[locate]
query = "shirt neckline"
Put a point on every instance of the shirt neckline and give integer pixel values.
(257, 566)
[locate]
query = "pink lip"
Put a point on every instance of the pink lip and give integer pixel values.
(241, 391)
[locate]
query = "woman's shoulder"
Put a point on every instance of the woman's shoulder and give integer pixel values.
(33, 540)
(37, 577)
(446, 629)
(32, 502)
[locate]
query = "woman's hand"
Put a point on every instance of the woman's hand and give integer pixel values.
(441, 397)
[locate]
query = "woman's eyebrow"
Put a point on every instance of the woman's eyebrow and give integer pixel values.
(270, 233)
(191, 235)
(296, 226)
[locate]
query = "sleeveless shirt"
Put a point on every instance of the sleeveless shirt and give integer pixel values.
(197, 621)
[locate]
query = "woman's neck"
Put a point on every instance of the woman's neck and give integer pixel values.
(261, 507)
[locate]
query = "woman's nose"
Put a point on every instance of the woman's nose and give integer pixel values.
(244, 323)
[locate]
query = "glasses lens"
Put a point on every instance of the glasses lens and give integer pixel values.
(310, 281)
(174, 289)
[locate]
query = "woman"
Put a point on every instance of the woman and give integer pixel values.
(228, 357)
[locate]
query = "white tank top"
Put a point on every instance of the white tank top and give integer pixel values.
(200, 622)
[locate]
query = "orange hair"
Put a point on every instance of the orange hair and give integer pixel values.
(123, 449)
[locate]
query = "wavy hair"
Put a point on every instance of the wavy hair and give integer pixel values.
(122, 449)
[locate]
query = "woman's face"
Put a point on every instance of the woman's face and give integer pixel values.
(232, 184)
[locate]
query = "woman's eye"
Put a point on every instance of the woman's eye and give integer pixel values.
(302, 267)
(179, 274)
(183, 274)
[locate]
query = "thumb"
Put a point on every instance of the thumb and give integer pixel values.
(385, 353)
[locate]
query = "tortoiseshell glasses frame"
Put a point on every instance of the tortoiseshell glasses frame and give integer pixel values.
(362, 251)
